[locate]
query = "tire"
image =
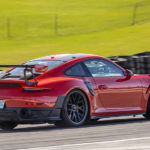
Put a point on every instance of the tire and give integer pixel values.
(132, 64)
(136, 59)
(137, 65)
(141, 59)
(142, 65)
(147, 114)
(75, 110)
(8, 125)
(133, 70)
(147, 66)
(147, 59)
(142, 71)
(137, 71)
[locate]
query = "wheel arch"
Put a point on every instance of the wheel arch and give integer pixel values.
(147, 112)
(146, 97)
(148, 102)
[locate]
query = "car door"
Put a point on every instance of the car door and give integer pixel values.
(117, 92)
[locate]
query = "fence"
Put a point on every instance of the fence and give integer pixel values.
(48, 25)
(57, 25)
(141, 12)
(27, 26)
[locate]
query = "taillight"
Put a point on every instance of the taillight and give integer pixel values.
(33, 104)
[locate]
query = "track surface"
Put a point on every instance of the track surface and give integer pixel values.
(113, 133)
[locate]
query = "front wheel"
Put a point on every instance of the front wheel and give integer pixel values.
(8, 125)
(75, 109)
(147, 114)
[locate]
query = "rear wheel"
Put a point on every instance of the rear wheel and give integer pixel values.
(8, 125)
(75, 109)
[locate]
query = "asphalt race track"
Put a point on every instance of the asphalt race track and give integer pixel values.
(121, 133)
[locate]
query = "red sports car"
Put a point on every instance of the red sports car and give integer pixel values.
(70, 89)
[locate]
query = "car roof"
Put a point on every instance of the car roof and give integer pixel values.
(64, 57)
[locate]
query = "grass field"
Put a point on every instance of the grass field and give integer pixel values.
(35, 28)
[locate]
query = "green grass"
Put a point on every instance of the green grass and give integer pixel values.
(102, 27)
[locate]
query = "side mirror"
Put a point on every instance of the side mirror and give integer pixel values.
(40, 68)
(128, 73)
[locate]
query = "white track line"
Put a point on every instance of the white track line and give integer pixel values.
(83, 144)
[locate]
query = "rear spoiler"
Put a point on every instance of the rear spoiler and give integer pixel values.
(24, 66)
(28, 68)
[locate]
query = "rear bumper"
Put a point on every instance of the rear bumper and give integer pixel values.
(33, 115)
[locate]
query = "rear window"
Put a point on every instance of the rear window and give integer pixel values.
(50, 63)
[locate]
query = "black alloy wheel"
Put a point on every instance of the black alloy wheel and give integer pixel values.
(75, 109)
(147, 114)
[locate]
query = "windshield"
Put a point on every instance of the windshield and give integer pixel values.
(50, 63)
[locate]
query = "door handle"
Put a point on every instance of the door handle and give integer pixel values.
(102, 87)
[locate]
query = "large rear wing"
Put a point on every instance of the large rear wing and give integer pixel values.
(24, 66)
(28, 68)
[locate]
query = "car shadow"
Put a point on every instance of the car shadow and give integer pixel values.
(101, 122)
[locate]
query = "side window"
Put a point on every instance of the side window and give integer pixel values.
(75, 70)
(103, 68)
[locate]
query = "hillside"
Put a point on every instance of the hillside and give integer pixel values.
(35, 28)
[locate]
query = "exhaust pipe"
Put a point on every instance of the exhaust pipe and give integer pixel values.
(25, 113)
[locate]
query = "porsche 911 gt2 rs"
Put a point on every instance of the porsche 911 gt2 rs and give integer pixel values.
(69, 90)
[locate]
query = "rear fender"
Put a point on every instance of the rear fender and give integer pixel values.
(61, 86)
